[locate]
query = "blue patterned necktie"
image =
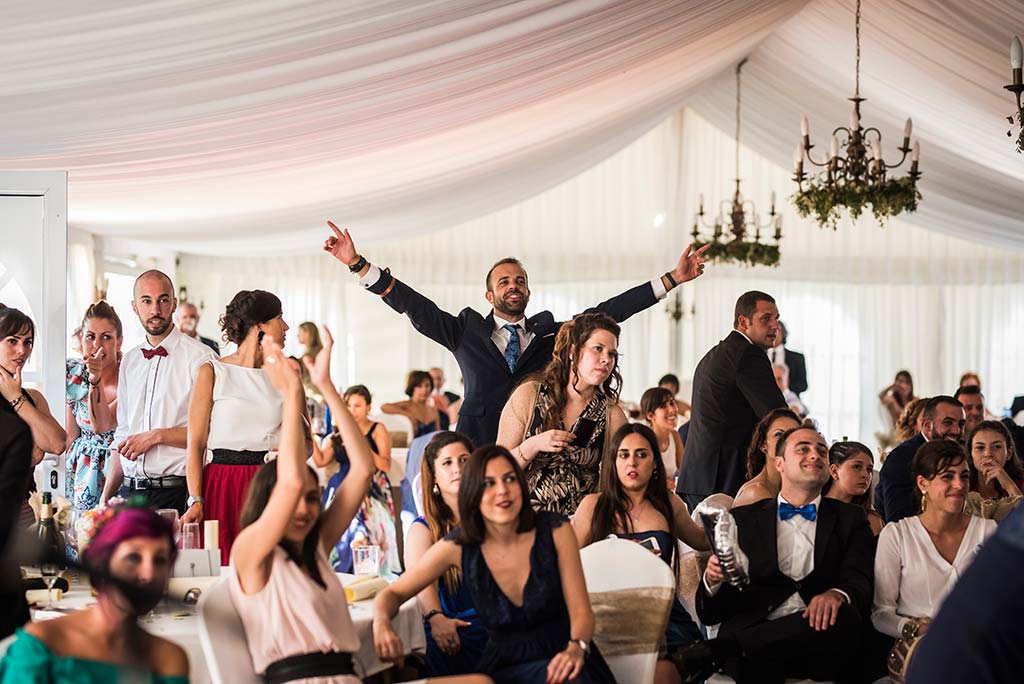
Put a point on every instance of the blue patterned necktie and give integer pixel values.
(788, 510)
(513, 350)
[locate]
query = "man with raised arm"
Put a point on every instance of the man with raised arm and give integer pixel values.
(495, 352)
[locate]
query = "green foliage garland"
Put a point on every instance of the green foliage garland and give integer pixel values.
(753, 253)
(889, 199)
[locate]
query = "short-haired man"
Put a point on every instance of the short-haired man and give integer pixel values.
(896, 495)
(811, 576)
(496, 352)
(973, 401)
(188, 323)
(793, 360)
(154, 387)
(733, 387)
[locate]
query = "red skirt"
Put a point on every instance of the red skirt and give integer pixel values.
(224, 490)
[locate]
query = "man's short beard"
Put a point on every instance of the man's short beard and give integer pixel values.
(500, 307)
(158, 331)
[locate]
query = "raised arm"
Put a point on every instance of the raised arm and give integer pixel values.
(636, 299)
(335, 520)
(567, 664)
(426, 316)
(200, 407)
(251, 552)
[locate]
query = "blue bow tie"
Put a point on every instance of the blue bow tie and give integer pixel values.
(788, 510)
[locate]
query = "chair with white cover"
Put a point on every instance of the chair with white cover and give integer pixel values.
(631, 591)
(222, 637)
(397, 425)
(417, 492)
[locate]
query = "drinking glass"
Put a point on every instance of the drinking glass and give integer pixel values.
(171, 515)
(190, 535)
(50, 572)
(366, 559)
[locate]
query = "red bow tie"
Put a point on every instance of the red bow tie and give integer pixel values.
(150, 353)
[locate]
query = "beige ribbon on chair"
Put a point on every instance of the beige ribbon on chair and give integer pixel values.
(631, 621)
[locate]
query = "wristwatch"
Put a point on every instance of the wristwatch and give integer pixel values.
(358, 266)
(192, 500)
(584, 645)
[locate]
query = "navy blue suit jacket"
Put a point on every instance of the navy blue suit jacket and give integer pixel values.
(485, 374)
(895, 494)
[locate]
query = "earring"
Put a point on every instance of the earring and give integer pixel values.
(437, 490)
(924, 502)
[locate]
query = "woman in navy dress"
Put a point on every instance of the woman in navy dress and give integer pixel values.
(525, 577)
(455, 634)
(635, 503)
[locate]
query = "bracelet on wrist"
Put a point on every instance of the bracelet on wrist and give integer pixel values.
(669, 278)
(17, 403)
(430, 614)
(358, 266)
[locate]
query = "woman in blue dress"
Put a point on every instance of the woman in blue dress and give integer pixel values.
(455, 635)
(92, 406)
(634, 503)
(524, 575)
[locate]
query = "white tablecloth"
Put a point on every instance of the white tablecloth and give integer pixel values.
(179, 623)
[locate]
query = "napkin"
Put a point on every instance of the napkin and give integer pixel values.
(366, 587)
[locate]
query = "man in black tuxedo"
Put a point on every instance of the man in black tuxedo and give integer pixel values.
(496, 352)
(793, 360)
(733, 387)
(896, 494)
(811, 580)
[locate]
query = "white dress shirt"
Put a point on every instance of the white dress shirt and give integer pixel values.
(911, 578)
(777, 355)
(155, 394)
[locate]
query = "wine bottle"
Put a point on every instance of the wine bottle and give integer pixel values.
(50, 542)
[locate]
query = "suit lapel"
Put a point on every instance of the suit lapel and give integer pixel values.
(769, 532)
(826, 522)
(487, 328)
(534, 346)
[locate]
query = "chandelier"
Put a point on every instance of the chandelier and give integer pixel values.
(734, 213)
(861, 176)
(1017, 87)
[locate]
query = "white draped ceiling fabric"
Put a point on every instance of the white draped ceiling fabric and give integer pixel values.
(549, 129)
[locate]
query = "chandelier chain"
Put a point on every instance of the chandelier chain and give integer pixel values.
(738, 68)
(856, 88)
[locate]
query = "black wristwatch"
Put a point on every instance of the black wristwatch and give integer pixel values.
(358, 266)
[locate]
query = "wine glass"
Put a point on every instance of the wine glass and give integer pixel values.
(50, 572)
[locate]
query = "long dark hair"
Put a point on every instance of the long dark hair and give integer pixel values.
(561, 372)
(611, 513)
(838, 454)
(440, 518)
(1013, 465)
(14, 322)
(755, 457)
(260, 488)
(471, 491)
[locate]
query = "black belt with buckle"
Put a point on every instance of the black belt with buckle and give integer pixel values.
(165, 482)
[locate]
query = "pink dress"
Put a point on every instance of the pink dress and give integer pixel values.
(292, 615)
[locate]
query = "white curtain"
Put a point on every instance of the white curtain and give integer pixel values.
(861, 302)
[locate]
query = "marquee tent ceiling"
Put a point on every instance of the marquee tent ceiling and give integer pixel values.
(237, 127)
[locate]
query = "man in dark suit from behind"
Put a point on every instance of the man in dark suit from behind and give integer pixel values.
(496, 352)
(733, 387)
(793, 360)
(896, 494)
(811, 580)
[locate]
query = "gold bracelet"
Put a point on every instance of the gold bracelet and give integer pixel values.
(16, 404)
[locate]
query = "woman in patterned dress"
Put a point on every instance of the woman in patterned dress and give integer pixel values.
(92, 406)
(543, 417)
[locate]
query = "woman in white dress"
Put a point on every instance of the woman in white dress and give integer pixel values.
(920, 558)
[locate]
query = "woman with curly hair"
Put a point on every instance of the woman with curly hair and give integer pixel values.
(764, 481)
(557, 425)
(235, 411)
(129, 559)
(909, 422)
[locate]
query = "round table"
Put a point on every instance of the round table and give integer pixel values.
(179, 623)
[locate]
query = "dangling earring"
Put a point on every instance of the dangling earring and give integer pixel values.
(924, 502)
(437, 490)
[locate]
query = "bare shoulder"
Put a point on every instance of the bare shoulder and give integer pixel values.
(167, 658)
(752, 492)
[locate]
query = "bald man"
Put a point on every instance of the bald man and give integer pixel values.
(154, 388)
(187, 317)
